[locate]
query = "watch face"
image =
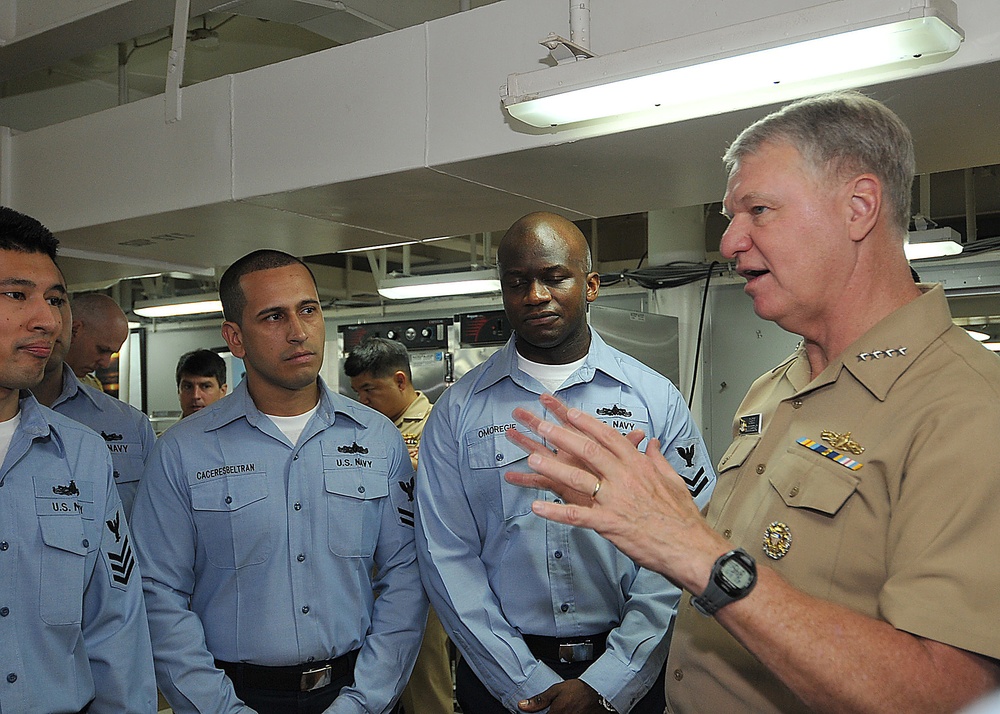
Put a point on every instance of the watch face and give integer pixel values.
(735, 576)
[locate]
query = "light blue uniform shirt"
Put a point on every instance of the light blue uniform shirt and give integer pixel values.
(125, 429)
(259, 551)
(493, 570)
(72, 620)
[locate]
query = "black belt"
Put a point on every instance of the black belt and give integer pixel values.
(585, 648)
(296, 678)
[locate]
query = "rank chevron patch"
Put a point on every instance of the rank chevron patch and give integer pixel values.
(696, 484)
(121, 562)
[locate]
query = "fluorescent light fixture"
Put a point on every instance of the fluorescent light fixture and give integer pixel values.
(835, 45)
(177, 306)
(977, 335)
(932, 243)
(992, 346)
(379, 247)
(472, 282)
(395, 245)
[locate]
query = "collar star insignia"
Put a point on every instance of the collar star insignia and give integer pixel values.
(879, 354)
(842, 441)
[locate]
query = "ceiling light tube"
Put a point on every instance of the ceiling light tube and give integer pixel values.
(178, 306)
(473, 282)
(818, 51)
(932, 243)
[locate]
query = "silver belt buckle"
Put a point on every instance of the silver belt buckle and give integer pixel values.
(576, 652)
(315, 679)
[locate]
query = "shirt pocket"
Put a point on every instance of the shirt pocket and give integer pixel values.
(355, 498)
(231, 516)
(128, 465)
(814, 483)
(490, 458)
(62, 568)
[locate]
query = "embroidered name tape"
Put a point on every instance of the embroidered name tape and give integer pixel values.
(829, 453)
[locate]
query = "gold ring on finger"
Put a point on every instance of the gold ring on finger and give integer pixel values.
(597, 487)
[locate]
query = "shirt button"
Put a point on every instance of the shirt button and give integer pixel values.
(4, 545)
(86, 543)
(295, 458)
(797, 404)
(305, 609)
(499, 457)
(793, 492)
(229, 499)
(564, 607)
(361, 489)
(678, 674)
(301, 557)
(558, 554)
(11, 677)
(4, 611)
(760, 468)
(297, 506)
(727, 534)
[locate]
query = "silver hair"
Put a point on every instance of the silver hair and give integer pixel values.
(844, 134)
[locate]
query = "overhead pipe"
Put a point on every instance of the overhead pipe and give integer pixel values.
(579, 22)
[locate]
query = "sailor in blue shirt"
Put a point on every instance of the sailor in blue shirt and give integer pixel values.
(73, 631)
(514, 591)
(126, 430)
(261, 518)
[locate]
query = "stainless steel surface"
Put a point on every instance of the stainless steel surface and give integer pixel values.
(650, 338)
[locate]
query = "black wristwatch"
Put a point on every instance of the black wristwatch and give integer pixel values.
(733, 577)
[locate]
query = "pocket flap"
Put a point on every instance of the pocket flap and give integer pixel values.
(362, 484)
(822, 486)
(229, 494)
(493, 452)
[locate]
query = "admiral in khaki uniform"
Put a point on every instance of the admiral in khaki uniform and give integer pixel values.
(849, 568)
(272, 508)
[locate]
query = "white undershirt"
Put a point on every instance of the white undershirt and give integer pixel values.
(551, 376)
(7, 429)
(292, 426)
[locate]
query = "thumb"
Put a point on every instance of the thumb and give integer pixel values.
(535, 704)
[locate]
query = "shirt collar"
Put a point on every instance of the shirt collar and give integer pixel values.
(239, 405)
(880, 356)
(417, 410)
(600, 357)
(72, 386)
(33, 421)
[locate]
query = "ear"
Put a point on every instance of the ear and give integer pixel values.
(223, 389)
(865, 205)
(593, 286)
(77, 324)
(400, 379)
(233, 336)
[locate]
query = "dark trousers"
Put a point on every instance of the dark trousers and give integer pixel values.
(475, 698)
(272, 701)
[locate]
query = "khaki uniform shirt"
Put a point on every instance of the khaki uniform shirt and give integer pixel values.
(411, 424)
(910, 536)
